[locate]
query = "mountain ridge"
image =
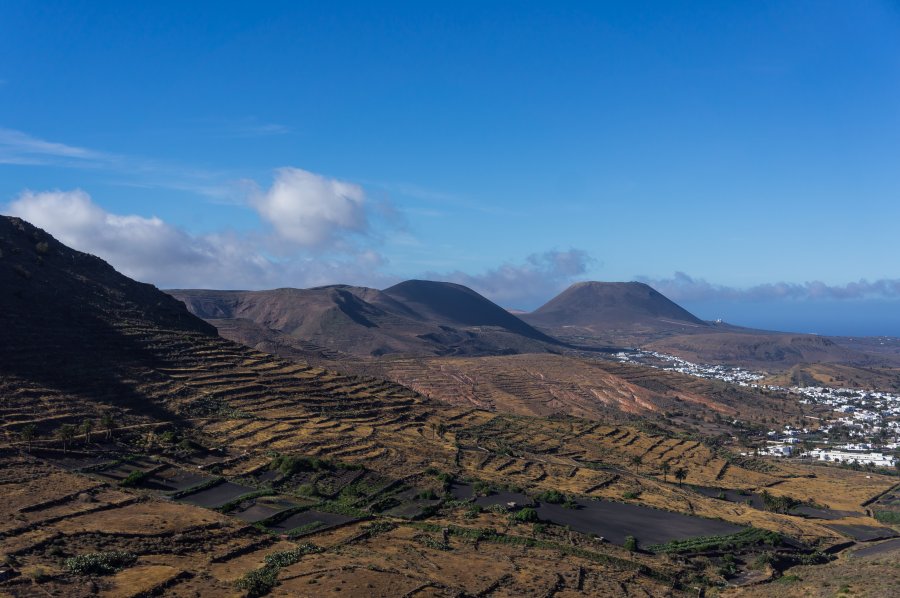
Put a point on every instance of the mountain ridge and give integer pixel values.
(598, 306)
(413, 317)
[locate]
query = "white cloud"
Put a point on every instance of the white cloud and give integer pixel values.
(151, 250)
(310, 210)
(529, 284)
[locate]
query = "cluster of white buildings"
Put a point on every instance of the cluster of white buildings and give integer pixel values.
(662, 361)
(864, 414)
(862, 458)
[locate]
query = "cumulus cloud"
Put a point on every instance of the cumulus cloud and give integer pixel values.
(682, 287)
(528, 284)
(151, 250)
(310, 210)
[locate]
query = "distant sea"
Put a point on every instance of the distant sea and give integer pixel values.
(832, 318)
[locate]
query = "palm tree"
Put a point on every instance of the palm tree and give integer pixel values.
(637, 461)
(27, 434)
(65, 433)
(666, 468)
(86, 427)
(109, 424)
(680, 475)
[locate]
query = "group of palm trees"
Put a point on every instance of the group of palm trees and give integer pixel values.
(67, 433)
(680, 473)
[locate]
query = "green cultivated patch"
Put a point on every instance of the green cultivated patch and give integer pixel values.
(100, 563)
(748, 537)
(260, 582)
(890, 517)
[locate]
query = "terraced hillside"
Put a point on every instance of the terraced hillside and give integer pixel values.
(142, 454)
(379, 524)
(545, 385)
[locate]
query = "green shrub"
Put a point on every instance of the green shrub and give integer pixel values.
(258, 582)
(289, 465)
(765, 558)
(133, 479)
(378, 527)
(446, 480)
(304, 529)
(100, 563)
(553, 497)
(187, 444)
(289, 557)
(526, 515)
(481, 488)
(631, 543)
(308, 490)
(778, 504)
(630, 495)
(472, 512)
(431, 542)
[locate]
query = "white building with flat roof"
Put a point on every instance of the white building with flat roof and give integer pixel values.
(877, 459)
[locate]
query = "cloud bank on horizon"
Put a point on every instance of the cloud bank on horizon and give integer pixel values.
(529, 284)
(308, 242)
(683, 287)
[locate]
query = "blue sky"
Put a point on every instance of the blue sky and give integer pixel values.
(515, 147)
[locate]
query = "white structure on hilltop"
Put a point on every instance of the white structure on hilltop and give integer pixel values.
(877, 459)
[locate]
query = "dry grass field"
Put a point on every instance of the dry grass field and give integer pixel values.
(243, 407)
(598, 389)
(839, 375)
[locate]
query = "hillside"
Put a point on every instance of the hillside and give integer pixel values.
(456, 305)
(595, 389)
(413, 318)
(766, 351)
(610, 308)
(212, 469)
(70, 322)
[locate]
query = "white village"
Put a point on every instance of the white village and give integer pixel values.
(870, 419)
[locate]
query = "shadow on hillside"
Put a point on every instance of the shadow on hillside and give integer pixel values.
(85, 359)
